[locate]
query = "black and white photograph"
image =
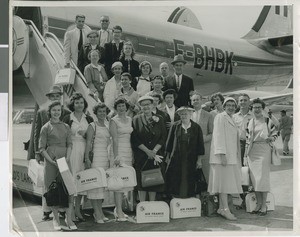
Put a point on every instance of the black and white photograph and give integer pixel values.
(172, 117)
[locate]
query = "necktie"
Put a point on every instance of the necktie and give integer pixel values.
(80, 40)
(177, 82)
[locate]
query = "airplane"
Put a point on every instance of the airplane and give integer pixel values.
(215, 63)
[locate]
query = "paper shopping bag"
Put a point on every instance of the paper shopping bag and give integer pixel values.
(91, 179)
(65, 76)
(66, 175)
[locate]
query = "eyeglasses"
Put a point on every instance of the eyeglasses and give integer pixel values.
(104, 20)
(257, 107)
(143, 105)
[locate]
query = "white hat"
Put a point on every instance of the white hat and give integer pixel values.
(185, 108)
(229, 99)
(145, 97)
(116, 64)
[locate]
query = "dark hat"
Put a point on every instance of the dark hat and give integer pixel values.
(170, 92)
(55, 90)
(283, 111)
(178, 58)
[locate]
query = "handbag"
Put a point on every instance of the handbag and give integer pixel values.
(275, 158)
(151, 177)
(245, 176)
(210, 204)
(201, 184)
(91, 152)
(57, 194)
(65, 76)
(115, 183)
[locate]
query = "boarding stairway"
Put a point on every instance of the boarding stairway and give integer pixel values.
(44, 57)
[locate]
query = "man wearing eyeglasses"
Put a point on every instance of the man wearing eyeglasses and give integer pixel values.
(105, 34)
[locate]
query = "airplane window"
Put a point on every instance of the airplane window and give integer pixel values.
(160, 48)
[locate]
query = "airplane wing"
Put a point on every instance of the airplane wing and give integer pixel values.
(277, 99)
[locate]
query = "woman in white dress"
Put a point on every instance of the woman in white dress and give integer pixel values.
(78, 122)
(120, 129)
(98, 139)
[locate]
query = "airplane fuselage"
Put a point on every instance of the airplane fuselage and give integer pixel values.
(214, 63)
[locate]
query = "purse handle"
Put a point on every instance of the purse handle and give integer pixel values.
(93, 140)
(146, 163)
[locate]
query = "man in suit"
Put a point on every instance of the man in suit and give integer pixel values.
(41, 119)
(205, 120)
(112, 50)
(84, 57)
(105, 34)
(164, 72)
(181, 83)
(74, 40)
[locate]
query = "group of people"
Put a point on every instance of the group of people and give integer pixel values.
(102, 56)
(149, 122)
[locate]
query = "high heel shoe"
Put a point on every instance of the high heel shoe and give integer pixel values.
(228, 215)
(263, 213)
(56, 226)
(71, 227)
(98, 221)
(257, 210)
(121, 219)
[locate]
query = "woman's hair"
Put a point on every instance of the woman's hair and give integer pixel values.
(53, 104)
(77, 96)
(122, 52)
(121, 100)
(126, 74)
(143, 64)
(218, 94)
(92, 51)
(157, 77)
(100, 106)
(170, 92)
(258, 101)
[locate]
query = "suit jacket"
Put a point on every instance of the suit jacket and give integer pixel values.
(206, 123)
(134, 70)
(183, 94)
(83, 56)
(109, 39)
(225, 140)
(71, 43)
(111, 55)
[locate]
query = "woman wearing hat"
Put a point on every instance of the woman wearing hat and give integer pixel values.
(262, 133)
(225, 168)
(113, 86)
(148, 138)
(184, 146)
(83, 60)
(130, 65)
(95, 75)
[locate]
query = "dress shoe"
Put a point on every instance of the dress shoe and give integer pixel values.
(56, 225)
(120, 219)
(256, 210)
(228, 215)
(99, 221)
(70, 227)
(80, 219)
(263, 213)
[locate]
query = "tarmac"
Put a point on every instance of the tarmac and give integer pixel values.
(27, 211)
